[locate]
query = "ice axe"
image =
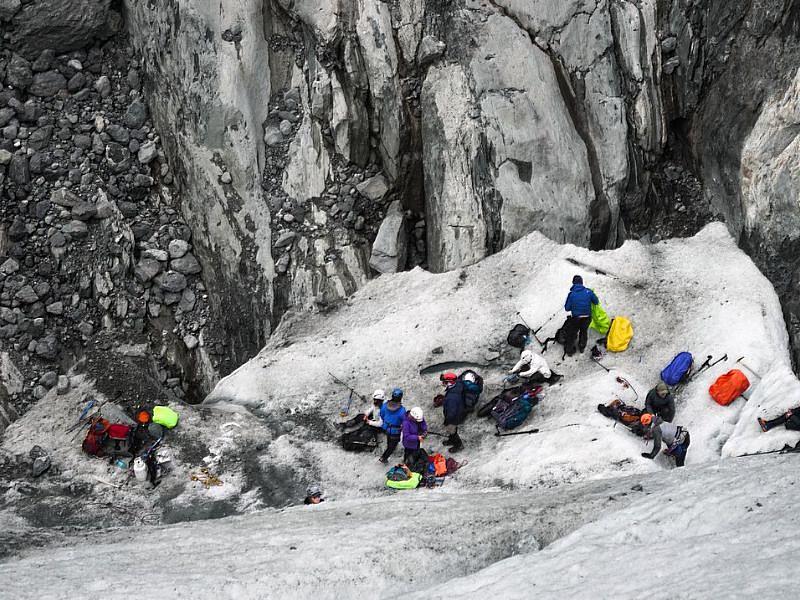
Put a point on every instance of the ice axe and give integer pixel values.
(740, 360)
(602, 366)
(526, 432)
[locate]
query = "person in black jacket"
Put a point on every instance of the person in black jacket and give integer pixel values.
(790, 419)
(454, 410)
(660, 402)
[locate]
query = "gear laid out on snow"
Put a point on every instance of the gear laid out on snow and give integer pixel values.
(678, 370)
(623, 413)
(728, 387)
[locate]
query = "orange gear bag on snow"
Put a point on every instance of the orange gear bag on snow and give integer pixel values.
(439, 465)
(729, 387)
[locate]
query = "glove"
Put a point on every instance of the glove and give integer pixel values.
(646, 455)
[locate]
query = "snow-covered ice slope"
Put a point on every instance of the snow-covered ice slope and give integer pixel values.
(700, 294)
(722, 530)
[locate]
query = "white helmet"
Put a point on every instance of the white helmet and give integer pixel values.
(416, 413)
(469, 377)
(379, 395)
(313, 490)
(526, 356)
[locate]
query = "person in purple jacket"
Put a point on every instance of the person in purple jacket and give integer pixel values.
(414, 431)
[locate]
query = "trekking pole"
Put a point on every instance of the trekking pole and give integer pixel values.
(701, 368)
(436, 433)
(553, 316)
(342, 383)
(524, 322)
(605, 368)
(746, 366)
(526, 432)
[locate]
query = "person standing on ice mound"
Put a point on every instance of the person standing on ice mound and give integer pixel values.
(454, 409)
(392, 415)
(790, 419)
(579, 304)
(675, 437)
(660, 402)
(534, 368)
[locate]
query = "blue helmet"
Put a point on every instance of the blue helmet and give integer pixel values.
(397, 394)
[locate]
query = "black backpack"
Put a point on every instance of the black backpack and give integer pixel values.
(418, 461)
(518, 336)
(566, 336)
(358, 436)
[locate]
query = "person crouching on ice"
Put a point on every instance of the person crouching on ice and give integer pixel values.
(534, 368)
(675, 437)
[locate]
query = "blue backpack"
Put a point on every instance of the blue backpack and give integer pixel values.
(677, 370)
(509, 414)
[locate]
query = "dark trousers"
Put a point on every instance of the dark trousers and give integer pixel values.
(391, 444)
(583, 332)
(790, 421)
(408, 454)
(679, 452)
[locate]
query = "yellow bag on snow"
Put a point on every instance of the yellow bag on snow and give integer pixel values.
(619, 334)
(164, 415)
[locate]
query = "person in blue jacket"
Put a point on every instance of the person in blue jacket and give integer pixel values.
(393, 414)
(579, 304)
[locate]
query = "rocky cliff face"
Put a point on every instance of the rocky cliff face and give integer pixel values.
(292, 149)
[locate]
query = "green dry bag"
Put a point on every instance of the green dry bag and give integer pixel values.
(405, 484)
(600, 321)
(165, 416)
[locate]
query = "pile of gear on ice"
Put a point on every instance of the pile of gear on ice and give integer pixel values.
(388, 419)
(132, 445)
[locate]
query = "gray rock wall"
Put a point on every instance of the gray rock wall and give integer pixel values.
(207, 73)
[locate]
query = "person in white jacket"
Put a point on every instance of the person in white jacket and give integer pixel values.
(534, 368)
(373, 416)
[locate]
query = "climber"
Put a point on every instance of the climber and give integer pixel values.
(313, 494)
(373, 416)
(579, 304)
(454, 409)
(392, 414)
(660, 402)
(790, 419)
(534, 368)
(675, 437)
(414, 431)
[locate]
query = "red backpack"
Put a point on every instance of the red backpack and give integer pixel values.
(95, 440)
(728, 387)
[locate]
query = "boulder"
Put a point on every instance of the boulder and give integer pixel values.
(390, 246)
(83, 211)
(63, 25)
(76, 229)
(146, 269)
(373, 188)
(147, 152)
(103, 86)
(171, 281)
(178, 248)
(18, 73)
(136, 115)
(26, 295)
(429, 50)
(47, 84)
(187, 265)
(9, 266)
(47, 348)
(8, 8)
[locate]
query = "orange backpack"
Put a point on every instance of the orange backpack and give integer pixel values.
(728, 387)
(439, 464)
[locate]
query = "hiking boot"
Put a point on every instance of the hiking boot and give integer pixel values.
(457, 443)
(448, 441)
(554, 378)
(383, 460)
(763, 424)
